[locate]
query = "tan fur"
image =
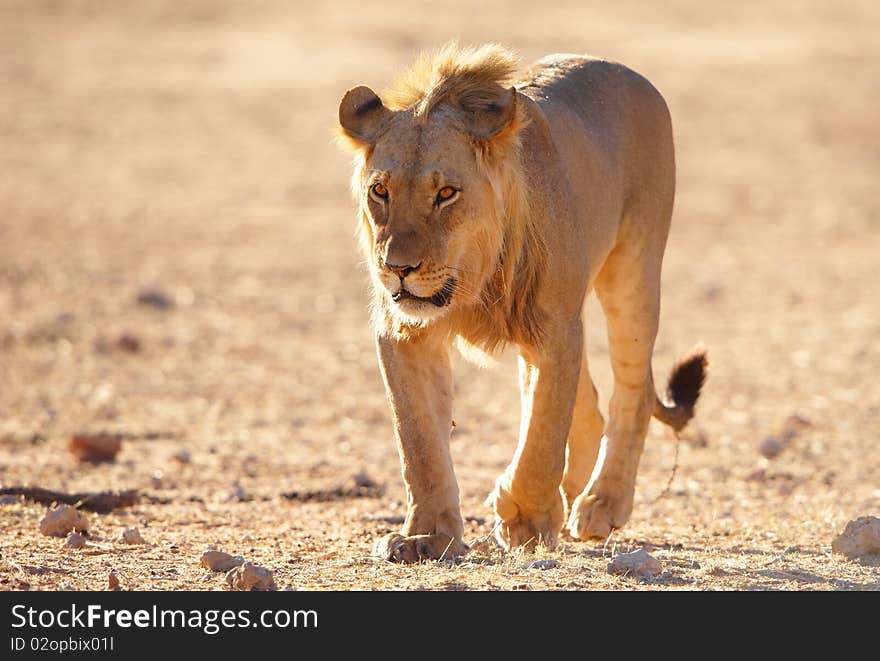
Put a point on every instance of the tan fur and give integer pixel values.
(561, 184)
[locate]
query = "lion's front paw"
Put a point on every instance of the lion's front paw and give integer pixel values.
(594, 516)
(395, 547)
(518, 525)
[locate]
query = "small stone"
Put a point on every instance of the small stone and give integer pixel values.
(638, 563)
(795, 424)
(132, 536)
(182, 457)
(363, 481)
(155, 298)
(75, 541)
(757, 475)
(248, 576)
(126, 342)
(94, 448)
(860, 539)
(541, 564)
(62, 520)
(219, 561)
(236, 494)
(772, 447)
(113, 582)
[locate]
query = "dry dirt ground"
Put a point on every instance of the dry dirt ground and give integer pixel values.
(187, 148)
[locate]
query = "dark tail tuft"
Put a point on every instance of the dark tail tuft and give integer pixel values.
(687, 379)
(683, 389)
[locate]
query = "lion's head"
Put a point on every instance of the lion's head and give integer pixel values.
(444, 210)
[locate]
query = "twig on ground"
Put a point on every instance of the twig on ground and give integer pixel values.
(336, 493)
(101, 501)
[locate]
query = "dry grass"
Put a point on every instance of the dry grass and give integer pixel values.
(188, 147)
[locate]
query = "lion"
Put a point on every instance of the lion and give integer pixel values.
(490, 206)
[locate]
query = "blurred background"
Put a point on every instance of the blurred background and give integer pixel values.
(178, 263)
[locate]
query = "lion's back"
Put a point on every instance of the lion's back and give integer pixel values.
(586, 82)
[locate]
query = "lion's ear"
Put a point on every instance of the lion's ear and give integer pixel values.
(485, 117)
(362, 115)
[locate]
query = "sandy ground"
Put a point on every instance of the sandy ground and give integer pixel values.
(187, 148)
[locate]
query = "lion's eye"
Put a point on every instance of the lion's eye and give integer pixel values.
(379, 190)
(445, 194)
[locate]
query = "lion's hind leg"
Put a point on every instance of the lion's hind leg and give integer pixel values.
(584, 437)
(629, 289)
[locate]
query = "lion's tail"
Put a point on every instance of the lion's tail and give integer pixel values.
(683, 390)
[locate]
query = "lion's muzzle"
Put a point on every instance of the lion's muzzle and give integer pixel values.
(441, 298)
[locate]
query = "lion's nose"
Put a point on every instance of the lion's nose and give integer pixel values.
(401, 271)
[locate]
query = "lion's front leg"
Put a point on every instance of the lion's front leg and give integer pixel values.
(418, 380)
(527, 498)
